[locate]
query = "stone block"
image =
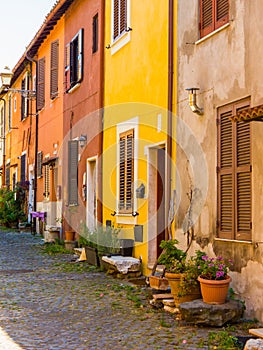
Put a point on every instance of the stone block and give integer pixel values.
(199, 313)
(254, 344)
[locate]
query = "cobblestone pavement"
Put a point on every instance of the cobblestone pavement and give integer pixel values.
(47, 302)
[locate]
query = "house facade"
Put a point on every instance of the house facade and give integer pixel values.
(219, 138)
(138, 156)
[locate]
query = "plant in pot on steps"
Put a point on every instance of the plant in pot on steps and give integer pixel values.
(214, 279)
(182, 273)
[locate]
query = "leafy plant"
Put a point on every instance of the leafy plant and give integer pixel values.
(172, 257)
(12, 206)
(222, 340)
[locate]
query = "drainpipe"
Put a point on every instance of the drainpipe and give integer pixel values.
(4, 155)
(36, 141)
(170, 111)
(101, 113)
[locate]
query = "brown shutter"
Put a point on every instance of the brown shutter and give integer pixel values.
(67, 67)
(213, 15)
(95, 33)
(234, 175)
(115, 19)
(123, 16)
(46, 182)
(225, 176)
(221, 13)
(41, 84)
(73, 172)
(206, 17)
(54, 69)
(126, 172)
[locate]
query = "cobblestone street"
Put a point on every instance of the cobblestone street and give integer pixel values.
(48, 302)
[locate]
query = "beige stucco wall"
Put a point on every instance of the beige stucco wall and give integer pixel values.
(226, 66)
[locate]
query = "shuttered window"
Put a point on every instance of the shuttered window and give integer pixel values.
(41, 84)
(23, 168)
(95, 33)
(54, 69)
(74, 61)
(73, 172)
(126, 152)
(39, 164)
(24, 97)
(234, 175)
(119, 17)
(7, 175)
(213, 15)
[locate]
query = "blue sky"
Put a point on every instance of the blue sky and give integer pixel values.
(19, 22)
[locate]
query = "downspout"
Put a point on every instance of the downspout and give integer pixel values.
(36, 140)
(170, 113)
(4, 146)
(101, 114)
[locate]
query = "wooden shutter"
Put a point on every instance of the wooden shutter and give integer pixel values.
(234, 175)
(46, 181)
(7, 176)
(67, 67)
(23, 168)
(123, 16)
(221, 13)
(126, 179)
(39, 164)
(73, 172)
(213, 14)
(54, 69)
(41, 84)
(24, 97)
(95, 33)
(225, 176)
(115, 19)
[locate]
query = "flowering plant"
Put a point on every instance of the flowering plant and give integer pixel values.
(214, 268)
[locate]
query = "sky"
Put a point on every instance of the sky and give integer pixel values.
(19, 22)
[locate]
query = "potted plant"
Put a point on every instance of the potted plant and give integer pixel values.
(214, 279)
(182, 273)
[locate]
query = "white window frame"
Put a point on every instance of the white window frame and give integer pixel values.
(131, 124)
(124, 38)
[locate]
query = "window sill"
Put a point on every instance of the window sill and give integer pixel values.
(232, 240)
(212, 34)
(120, 42)
(126, 219)
(75, 87)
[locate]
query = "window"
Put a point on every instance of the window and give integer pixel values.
(23, 168)
(9, 113)
(41, 84)
(73, 172)
(7, 175)
(24, 98)
(46, 182)
(39, 164)
(126, 174)
(74, 61)
(234, 175)
(213, 15)
(119, 18)
(95, 33)
(54, 69)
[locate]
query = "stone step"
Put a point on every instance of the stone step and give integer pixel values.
(257, 332)
(162, 296)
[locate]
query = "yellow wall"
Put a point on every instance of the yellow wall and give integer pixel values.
(136, 89)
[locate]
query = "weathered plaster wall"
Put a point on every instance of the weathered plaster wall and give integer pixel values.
(226, 66)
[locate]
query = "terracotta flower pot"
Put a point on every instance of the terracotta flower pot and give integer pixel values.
(214, 291)
(175, 280)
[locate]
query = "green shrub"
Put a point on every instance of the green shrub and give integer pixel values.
(12, 206)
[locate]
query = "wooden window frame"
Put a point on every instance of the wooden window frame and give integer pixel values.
(126, 172)
(24, 97)
(213, 15)
(39, 164)
(234, 175)
(54, 62)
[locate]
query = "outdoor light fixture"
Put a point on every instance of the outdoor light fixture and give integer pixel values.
(82, 140)
(6, 77)
(192, 101)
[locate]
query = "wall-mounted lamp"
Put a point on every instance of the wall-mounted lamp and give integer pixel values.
(6, 77)
(82, 140)
(192, 101)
